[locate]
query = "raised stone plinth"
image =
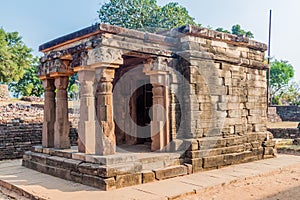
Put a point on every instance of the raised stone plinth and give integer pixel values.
(105, 172)
(133, 165)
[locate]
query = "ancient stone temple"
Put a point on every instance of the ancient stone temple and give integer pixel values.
(152, 106)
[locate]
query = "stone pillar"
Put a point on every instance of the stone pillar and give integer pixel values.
(49, 114)
(104, 77)
(62, 125)
(158, 121)
(87, 136)
(158, 71)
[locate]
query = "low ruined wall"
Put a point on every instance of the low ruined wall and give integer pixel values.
(4, 91)
(272, 115)
(288, 113)
(16, 138)
(286, 133)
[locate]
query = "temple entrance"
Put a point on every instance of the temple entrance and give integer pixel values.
(143, 103)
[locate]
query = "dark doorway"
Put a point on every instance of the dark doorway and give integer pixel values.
(143, 103)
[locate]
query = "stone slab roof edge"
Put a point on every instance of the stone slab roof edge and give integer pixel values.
(215, 35)
(105, 28)
(166, 36)
(71, 36)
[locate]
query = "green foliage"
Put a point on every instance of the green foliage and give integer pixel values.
(222, 30)
(144, 15)
(29, 84)
(73, 89)
(281, 74)
(15, 56)
(236, 30)
(292, 95)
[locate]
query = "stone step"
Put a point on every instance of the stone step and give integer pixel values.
(170, 172)
(232, 158)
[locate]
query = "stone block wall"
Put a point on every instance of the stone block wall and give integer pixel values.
(288, 113)
(228, 84)
(227, 111)
(286, 133)
(16, 138)
(272, 115)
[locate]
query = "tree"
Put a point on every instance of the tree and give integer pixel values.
(236, 30)
(292, 95)
(222, 30)
(29, 84)
(144, 15)
(73, 89)
(15, 56)
(281, 73)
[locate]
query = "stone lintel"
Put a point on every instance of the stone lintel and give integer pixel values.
(61, 74)
(104, 56)
(83, 68)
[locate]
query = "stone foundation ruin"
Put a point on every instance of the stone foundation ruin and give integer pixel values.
(152, 106)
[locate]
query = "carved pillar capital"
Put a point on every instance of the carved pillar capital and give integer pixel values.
(55, 67)
(105, 56)
(48, 84)
(79, 59)
(61, 82)
(157, 65)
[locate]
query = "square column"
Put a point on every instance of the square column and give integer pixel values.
(104, 95)
(49, 113)
(160, 128)
(160, 122)
(62, 124)
(88, 138)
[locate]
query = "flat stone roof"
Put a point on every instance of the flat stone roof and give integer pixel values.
(166, 36)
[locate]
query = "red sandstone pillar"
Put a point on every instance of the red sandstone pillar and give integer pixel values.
(160, 131)
(88, 137)
(49, 114)
(62, 125)
(104, 76)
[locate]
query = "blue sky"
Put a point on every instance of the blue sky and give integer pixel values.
(39, 21)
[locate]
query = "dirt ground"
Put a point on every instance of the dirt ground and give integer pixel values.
(284, 185)
(282, 124)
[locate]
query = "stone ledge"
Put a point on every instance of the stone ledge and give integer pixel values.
(170, 172)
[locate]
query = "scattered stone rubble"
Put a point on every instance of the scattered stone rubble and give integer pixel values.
(27, 113)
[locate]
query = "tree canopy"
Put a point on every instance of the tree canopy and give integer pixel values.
(29, 84)
(144, 15)
(237, 30)
(15, 56)
(281, 73)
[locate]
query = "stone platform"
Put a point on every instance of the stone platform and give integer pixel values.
(36, 185)
(133, 166)
(136, 164)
